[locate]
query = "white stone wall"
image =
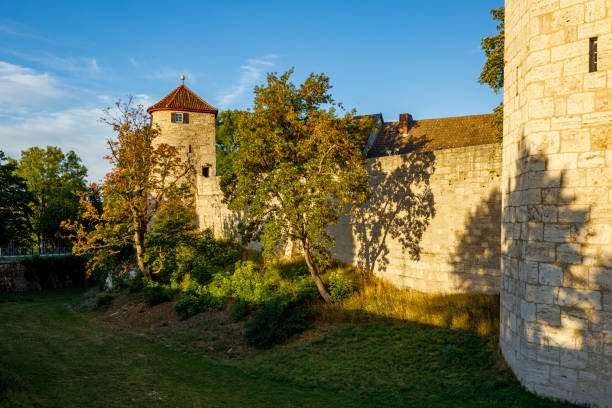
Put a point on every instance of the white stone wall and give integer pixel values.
(556, 303)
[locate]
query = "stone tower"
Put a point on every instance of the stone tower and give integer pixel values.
(556, 299)
(188, 123)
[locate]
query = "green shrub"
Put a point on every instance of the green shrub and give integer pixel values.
(103, 299)
(136, 284)
(240, 310)
(193, 302)
(279, 319)
(53, 272)
(248, 284)
(155, 293)
(305, 289)
(340, 287)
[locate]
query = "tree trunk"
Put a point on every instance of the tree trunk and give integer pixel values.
(139, 233)
(315, 274)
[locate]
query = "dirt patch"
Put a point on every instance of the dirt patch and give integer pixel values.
(209, 333)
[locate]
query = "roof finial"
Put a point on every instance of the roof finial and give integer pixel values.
(182, 79)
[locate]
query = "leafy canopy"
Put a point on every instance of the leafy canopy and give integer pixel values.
(16, 204)
(148, 180)
(52, 176)
(493, 70)
(298, 167)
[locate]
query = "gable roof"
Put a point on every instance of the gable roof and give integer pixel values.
(435, 134)
(183, 99)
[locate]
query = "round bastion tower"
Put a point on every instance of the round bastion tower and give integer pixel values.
(556, 298)
(188, 123)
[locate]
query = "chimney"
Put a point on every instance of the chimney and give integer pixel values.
(405, 120)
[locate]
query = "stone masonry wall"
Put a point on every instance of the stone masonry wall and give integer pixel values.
(433, 223)
(556, 299)
(199, 133)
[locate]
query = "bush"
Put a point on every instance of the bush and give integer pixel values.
(279, 319)
(103, 299)
(193, 302)
(306, 290)
(340, 287)
(155, 293)
(240, 310)
(53, 272)
(248, 284)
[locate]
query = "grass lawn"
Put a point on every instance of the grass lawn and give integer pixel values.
(52, 356)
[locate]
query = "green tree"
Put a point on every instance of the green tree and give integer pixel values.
(52, 177)
(226, 127)
(493, 70)
(148, 179)
(16, 204)
(298, 169)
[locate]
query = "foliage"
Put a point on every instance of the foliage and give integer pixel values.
(148, 179)
(340, 287)
(16, 204)
(493, 70)
(279, 319)
(103, 299)
(225, 137)
(192, 302)
(53, 177)
(175, 252)
(52, 272)
(248, 283)
(240, 311)
(298, 168)
(155, 293)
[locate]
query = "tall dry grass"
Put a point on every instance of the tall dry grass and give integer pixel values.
(375, 299)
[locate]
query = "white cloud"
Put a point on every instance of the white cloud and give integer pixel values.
(19, 30)
(20, 85)
(71, 129)
(133, 61)
(251, 73)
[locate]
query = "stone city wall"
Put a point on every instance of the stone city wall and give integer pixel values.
(433, 223)
(556, 299)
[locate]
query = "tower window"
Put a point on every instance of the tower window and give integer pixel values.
(189, 148)
(179, 117)
(205, 171)
(593, 54)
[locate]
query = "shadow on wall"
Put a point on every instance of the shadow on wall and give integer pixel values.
(476, 262)
(555, 322)
(401, 207)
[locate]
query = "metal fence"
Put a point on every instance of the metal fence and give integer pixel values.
(13, 252)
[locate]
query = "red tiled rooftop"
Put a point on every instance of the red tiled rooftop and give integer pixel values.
(435, 134)
(183, 99)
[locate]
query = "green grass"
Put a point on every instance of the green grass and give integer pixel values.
(56, 357)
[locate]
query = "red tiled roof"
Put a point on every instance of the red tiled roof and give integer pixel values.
(435, 134)
(183, 99)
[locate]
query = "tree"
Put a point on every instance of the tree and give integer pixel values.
(52, 177)
(226, 125)
(16, 204)
(493, 70)
(298, 169)
(148, 179)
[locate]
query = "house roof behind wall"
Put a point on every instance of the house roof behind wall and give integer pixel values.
(435, 134)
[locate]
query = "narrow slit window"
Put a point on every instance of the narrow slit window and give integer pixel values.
(593, 54)
(205, 171)
(517, 80)
(189, 148)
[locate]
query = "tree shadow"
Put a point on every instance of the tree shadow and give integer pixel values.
(401, 207)
(555, 322)
(475, 263)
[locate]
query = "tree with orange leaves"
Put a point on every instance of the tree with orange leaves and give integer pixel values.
(148, 180)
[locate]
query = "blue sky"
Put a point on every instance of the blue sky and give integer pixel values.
(62, 62)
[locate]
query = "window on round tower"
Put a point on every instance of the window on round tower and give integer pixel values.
(179, 117)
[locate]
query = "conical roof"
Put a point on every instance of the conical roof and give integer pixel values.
(183, 99)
